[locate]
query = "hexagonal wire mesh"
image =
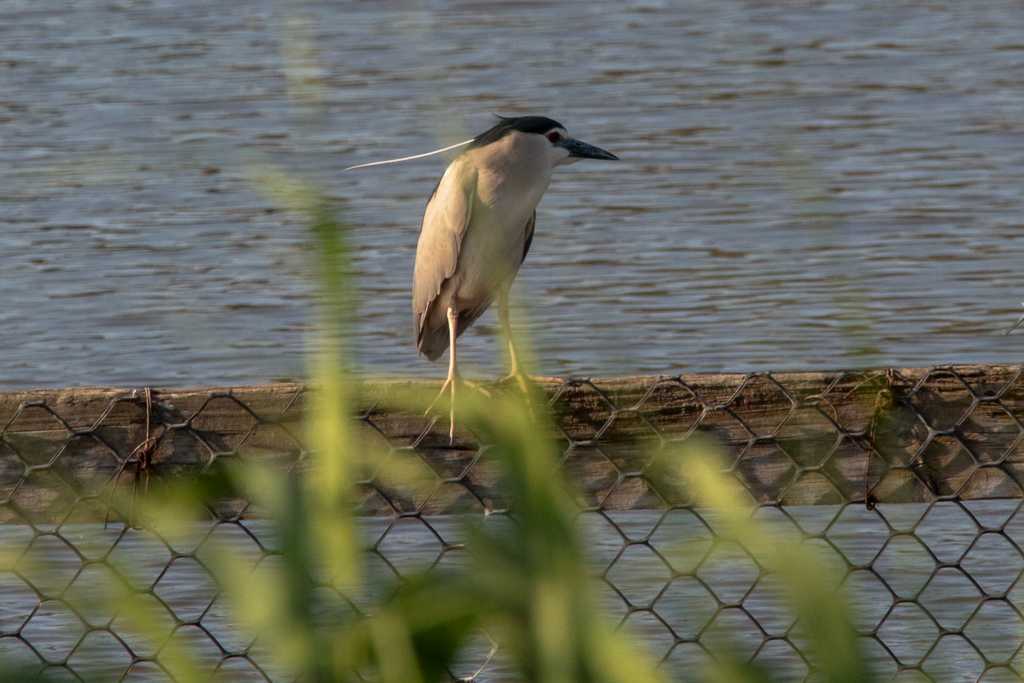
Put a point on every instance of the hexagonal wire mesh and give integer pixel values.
(908, 480)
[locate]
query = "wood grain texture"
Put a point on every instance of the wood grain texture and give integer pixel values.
(893, 435)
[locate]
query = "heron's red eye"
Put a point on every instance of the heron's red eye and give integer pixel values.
(554, 136)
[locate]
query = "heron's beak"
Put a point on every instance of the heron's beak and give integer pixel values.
(581, 150)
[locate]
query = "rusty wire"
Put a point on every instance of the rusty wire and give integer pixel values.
(909, 481)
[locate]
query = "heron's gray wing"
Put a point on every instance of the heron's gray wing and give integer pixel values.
(445, 221)
(529, 236)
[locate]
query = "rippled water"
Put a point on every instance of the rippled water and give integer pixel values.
(801, 186)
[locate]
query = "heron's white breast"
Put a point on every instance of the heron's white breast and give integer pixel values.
(512, 176)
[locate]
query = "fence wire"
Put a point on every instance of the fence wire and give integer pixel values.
(908, 480)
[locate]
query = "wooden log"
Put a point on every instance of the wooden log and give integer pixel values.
(892, 435)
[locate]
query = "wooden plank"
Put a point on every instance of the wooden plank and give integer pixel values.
(891, 435)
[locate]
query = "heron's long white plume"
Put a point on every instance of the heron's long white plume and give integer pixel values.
(1020, 323)
(414, 156)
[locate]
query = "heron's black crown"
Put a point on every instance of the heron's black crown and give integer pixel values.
(507, 124)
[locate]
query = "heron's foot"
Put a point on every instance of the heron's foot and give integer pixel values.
(477, 386)
(444, 387)
(449, 386)
(522, 381)
(517, 377)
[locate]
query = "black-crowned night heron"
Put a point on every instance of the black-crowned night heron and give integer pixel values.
(477, 229)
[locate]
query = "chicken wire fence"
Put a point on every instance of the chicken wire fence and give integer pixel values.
(908, 481)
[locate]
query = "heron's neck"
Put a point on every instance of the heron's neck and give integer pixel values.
(515, 175)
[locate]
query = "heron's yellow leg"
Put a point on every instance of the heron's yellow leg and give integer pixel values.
(514, 372)
(453, 373)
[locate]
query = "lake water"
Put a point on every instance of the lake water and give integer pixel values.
(801, 186)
